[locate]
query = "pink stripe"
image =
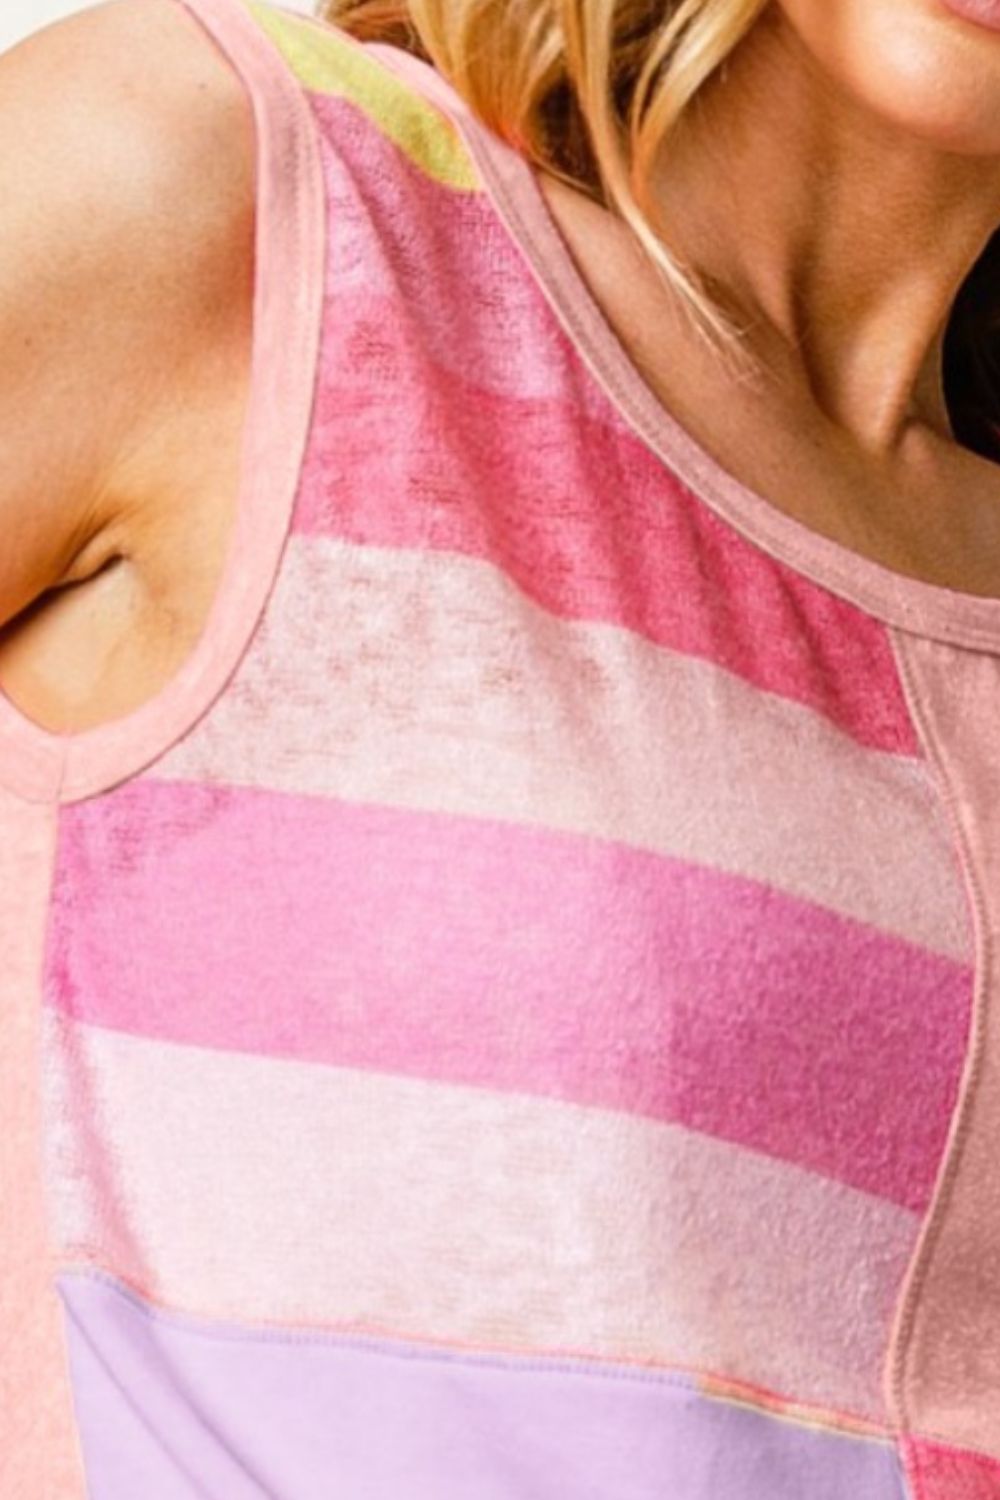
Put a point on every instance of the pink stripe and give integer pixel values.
(938, 1471)
(511, 958)
(525, 462)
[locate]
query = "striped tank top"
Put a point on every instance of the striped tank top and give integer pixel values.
(517, 1017)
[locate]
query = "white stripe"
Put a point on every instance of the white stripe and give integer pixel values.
(246, 1187)
(428, 681)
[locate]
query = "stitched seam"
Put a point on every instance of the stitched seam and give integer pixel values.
(901, 1336)
(409, 1346)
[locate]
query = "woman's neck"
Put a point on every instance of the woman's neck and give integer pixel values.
(839, 237)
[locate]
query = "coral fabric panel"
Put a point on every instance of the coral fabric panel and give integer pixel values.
(948, 1335)
(39, 1452)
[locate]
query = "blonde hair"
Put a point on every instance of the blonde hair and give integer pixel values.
(590, 90)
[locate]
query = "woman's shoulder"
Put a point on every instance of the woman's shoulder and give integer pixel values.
(122, 63)
(127, 183)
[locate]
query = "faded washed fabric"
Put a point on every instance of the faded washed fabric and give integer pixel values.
(515, 1018)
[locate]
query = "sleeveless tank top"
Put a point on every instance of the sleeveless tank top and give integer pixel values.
(518, 1014)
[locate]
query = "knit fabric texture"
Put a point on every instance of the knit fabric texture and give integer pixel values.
(516, 1015)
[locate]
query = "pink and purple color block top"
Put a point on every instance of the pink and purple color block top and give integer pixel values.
(518, 1016)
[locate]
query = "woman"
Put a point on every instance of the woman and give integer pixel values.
(498, 766)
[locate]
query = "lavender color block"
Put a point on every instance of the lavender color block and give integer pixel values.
(172, 1407)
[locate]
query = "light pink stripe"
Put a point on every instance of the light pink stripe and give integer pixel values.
(556, 489)
(39, 1456)
(511, 958)
(332, 1197)
(429, 681)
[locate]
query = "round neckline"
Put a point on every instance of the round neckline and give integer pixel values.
(512, 183)
(44, 765)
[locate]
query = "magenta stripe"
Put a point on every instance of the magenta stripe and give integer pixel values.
(940, 1471)
(510, 958)
(475, 452)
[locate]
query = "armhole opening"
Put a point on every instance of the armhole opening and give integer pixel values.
(41, 765)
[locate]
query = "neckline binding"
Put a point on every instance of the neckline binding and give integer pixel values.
(512, 184)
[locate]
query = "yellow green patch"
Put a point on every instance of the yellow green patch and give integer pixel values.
(327, 60)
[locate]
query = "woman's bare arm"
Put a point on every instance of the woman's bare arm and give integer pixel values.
(119, 212)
